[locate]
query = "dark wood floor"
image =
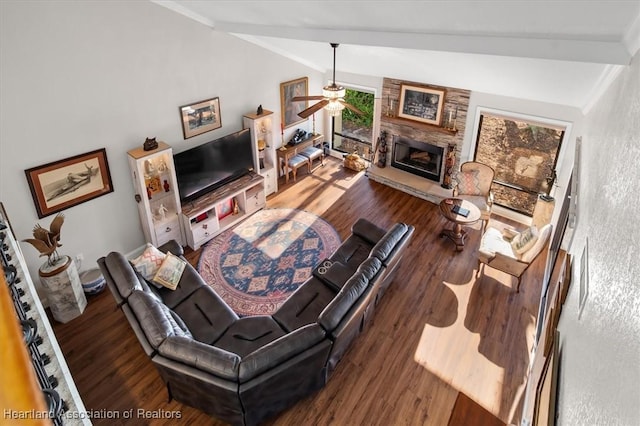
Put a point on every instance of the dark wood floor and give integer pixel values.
(438, 331)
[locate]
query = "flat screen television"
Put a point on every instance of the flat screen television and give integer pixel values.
(208, 166)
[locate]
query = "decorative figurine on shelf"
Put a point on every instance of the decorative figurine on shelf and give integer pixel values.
(149, 192)
(48, 241)
(166, 186)
(149, 144)
(260, 111)
(162, 212)
(236, 209)
(382, 149)
(162, 167)
(149, 167)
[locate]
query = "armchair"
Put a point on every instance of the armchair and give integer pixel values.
(512, 252)
(473, 183)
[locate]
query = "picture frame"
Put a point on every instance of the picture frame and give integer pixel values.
(65, 183)
(422, 104)
(225, 208)
(200, 117)
(289, 110)
(584, 279)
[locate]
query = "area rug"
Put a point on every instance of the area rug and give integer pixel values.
(255, 266)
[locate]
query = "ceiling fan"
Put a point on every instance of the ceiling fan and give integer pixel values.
(332, 98)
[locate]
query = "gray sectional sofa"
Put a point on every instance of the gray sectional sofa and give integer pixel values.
(246, 370)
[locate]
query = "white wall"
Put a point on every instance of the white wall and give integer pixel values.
(79, 76)
(600, 351)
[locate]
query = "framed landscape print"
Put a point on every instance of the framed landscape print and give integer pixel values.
(421, 104)
(65, 183)
(200, 117)
(290, 110)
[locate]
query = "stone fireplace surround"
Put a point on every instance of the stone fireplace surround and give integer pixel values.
(403, 129)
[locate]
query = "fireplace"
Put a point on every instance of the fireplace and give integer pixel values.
(419, 158)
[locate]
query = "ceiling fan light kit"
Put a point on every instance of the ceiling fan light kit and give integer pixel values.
(332, 99)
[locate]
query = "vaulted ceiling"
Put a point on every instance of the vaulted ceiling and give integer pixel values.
(550, 51)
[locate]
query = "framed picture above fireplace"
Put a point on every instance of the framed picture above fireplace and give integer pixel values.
(421, 104)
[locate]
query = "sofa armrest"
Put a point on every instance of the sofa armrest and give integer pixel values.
(280, 350)
(335, 275)
(173, 247)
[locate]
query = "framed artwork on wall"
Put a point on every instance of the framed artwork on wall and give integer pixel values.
(290, 110)
(65, 183)
(421, 104)
(200, 117)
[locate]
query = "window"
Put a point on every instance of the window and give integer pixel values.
(523, 154)
(353, 132)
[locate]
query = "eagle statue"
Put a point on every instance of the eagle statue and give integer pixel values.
(48, 241)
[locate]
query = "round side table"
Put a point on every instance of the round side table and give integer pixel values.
(457, 234)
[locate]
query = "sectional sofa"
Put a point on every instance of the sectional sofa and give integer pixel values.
(246, 370)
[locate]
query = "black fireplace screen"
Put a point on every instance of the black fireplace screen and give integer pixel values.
(419, 158)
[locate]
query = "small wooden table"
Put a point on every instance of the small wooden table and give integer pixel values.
(456, 233)
(286, 152)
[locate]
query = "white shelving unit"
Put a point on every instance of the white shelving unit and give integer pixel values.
(209, 215)
(156, 192)
(264, 154)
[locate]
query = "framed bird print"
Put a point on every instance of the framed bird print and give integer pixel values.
(65, 183)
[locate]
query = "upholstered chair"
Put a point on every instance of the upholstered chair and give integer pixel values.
(512, 252)
(473, 183)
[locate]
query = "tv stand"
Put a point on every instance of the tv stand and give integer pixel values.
(209, 215)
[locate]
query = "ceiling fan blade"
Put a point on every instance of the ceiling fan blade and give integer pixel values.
(307, 98)
(313, 109)
(352, 108)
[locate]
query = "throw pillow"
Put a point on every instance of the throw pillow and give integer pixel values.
(468, 183)
(524, 240)
(148, 262)
(169, 273)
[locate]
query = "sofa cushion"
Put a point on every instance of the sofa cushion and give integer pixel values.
(204, 357)
(524, 240)
(148, 263)
(492, 242)
(155, 319)
(331, 316)
(469, 182)
(367, 230)
(304, 305)
(370, 268)
(190, 281)
(280, 350)
(248, 334)
(387, 244)
(206, 315)
(352, 252)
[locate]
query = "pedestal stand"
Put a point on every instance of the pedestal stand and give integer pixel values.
(63, 289)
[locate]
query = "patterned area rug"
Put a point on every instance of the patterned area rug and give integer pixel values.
(255, 266)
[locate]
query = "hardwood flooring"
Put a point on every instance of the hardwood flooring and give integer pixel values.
(438, 331)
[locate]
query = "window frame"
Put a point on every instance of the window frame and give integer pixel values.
(563, 126)
(375, 123)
